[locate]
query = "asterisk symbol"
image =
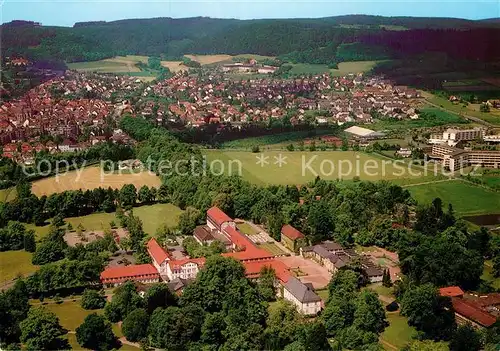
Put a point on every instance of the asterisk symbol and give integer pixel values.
(262, 160)
(280, 160)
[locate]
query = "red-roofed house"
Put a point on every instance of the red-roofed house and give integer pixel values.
(289, 236)
(144, 273)
(159, 256)
(217, 219)
(451, 291)
(186, 268)
(468, 311)
(252, 269)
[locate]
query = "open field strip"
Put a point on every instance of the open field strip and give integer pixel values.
(301, 167)
(492, 118)
(209, 59)
(466, 198)
(152, 217)
(90, 178)
(174, 66)
(14, 264)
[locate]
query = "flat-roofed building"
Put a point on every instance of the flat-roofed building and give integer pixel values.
(455, 158)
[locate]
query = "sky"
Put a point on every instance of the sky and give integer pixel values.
(66, 13)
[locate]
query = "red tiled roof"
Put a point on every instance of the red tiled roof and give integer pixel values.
(253, 254)
(291, 233)
(472, 312)
(451, 291)
(177, 263)
(157, 252)
(218, 216)
(252, 269)
(132, 271)
(239, 239)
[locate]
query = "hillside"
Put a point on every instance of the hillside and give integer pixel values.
(171, 38)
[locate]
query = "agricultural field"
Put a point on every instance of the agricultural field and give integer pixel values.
(91, 178)
(440, 118)
(125, 65)
(152, 217)
(174, 66)
(492, 117)
(14, 264)
(7, 195)
(466, 198)
(209, 59)
(302, 167)
(353, 67)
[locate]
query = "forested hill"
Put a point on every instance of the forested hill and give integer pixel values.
(304, 40)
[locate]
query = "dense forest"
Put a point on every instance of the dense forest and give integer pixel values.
(324, 40)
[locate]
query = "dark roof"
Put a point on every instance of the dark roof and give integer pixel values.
(320, 250)
(332, 246)
(178, 284)
(202, 233)
(302, 292)
(373, 271)
(307, 248)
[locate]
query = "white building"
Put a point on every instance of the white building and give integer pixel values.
(302, 296)
(185, 269)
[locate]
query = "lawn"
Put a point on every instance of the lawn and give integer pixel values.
(15, 263)
(381, 290)
(488, 275)
(91, 178)
(272, 248)
(398, 333)
(246, 228)
(152, 217)
(302, 167)
(353, 67)
(493, 117)
(323, 293)
(7, 195)
(71, 316)
(466, 198)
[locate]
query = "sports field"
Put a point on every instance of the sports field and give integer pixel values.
(301, 167)
(152, 217)
(15, 263)
(466, 198)
(91, 178)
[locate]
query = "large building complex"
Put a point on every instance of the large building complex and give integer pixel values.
(454, 158)
(453, 136)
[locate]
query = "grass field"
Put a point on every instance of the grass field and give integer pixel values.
(492, 117)
(488, 275)
(272, 248)
(398, 333)
(7, 195)
(152, 217)
(174, 66)
(344, 68)
(466, 198)
(209, 59)
(302, 167)
(246, 228)
(274, 139)
(15, 263)
(71, 316)
(91, 178)
(440, 118)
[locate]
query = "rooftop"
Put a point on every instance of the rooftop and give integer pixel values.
(132, 271)
(300, 291)
(158, 253)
